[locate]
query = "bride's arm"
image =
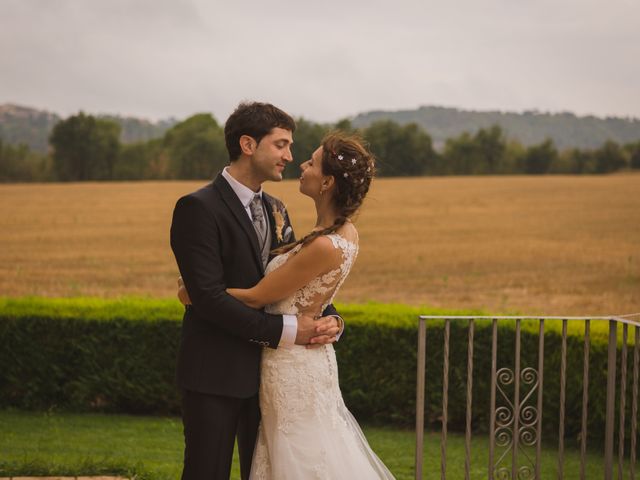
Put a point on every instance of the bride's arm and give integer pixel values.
(314, 259)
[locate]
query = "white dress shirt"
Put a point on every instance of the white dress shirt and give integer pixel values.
(245, 195)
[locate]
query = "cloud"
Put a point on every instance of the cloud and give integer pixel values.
(321, 60)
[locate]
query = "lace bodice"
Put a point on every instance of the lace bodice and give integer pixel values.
(306, 431)
(319, 293)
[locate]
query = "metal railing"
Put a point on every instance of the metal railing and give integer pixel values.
(514, 422)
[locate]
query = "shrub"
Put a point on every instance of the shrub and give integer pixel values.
(119, 355)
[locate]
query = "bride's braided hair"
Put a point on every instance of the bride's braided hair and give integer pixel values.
(352, 166)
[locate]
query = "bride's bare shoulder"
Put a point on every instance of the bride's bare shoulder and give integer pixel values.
(321, 248)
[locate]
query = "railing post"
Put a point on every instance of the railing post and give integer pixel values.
(516, 405)
(634, 402)
(585, 399)
(422, 347)
(623, 398)
(467, 438)
(537, 473)
(563, 397)
(445, 400)
(611, 397)
(492, 413)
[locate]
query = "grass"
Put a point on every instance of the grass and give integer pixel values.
(565, 245)
(67, 443)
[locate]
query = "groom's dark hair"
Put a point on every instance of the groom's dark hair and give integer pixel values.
(256, 120)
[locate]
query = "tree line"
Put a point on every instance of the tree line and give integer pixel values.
(84, 147)
(529, 127)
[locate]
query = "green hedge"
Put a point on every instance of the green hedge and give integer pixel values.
(118, 356)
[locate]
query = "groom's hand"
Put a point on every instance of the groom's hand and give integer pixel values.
(306, 329)
(183, 295)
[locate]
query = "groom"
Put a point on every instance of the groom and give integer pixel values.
(221, 236)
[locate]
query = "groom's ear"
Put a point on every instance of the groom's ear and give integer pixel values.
(248, 144)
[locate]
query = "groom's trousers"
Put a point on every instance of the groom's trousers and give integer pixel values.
(211, 423)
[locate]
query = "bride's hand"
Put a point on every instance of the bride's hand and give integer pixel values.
(183, 295)
(326, 331)
(316, 332)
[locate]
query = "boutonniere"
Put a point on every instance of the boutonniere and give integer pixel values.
(278, 217)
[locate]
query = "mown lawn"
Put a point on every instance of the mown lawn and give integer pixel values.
(152, 447)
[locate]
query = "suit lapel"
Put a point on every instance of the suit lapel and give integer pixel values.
(269, 202)
(236, 207)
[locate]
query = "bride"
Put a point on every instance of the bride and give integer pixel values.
(306, 431)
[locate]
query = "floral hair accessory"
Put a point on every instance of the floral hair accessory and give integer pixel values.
(340, 157)
(345, 174)
(353, 161)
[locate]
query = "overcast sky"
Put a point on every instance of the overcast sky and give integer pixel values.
(323, 59)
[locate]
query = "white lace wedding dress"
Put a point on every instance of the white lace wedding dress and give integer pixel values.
(306, 431)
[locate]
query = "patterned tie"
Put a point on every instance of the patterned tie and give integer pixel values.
(257, 216)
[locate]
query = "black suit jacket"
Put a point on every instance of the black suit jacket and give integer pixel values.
(216, 247)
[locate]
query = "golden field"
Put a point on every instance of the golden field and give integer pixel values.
(565, 245)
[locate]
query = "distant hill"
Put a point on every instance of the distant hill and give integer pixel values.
(32, 127)
(26, 125)
(19, 124)
(565, 129)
